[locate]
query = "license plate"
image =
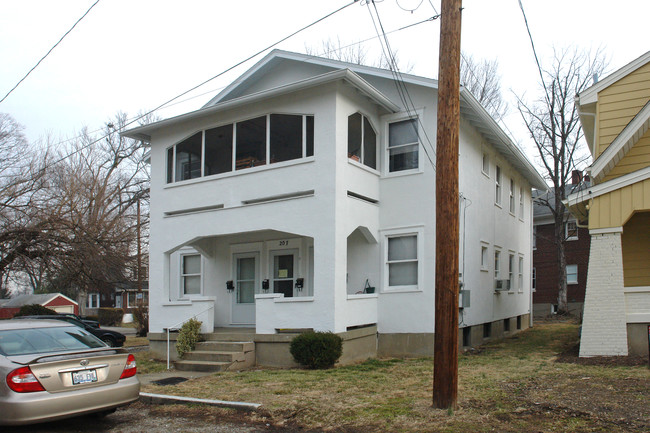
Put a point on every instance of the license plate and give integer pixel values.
(86, 376)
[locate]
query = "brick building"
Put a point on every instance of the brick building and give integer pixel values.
(545, 261)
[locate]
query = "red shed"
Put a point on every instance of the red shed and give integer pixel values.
(54, 301)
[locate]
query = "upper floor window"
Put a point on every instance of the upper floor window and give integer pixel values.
(497, 260)
(241, 145)
(497, 186)
(403, 145)
(571, 230)
(534, 237)
(521, 202)
(512, 196)
(485, 168)
(362, 140)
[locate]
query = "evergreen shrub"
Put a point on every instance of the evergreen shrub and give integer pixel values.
(188, 336)
(110, 316)
(316, 349)
(34, 310)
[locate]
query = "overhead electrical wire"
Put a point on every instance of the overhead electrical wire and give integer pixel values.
(168, 105)
(50, 50)
(402, 89)
(122, 127)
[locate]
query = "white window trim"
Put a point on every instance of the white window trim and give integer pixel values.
(399, 232)
(520, 283)
(485, 266)
(96, 297)
(511, 197)
(417, 114)
(485, 156)
(498, 187)
(572, 282)
(511, 270)
(566, 231)
(497, 262)
(521, 203)
(362, 157)
(234, 171)
(181, 287)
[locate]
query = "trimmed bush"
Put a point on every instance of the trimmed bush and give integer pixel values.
(316, 349)
(110, 316)
(34, 310)
(188, 337)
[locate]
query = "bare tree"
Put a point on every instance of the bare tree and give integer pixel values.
(554, 126)
(68, 220)
(482, 78)
(98, 187)
(354, 53)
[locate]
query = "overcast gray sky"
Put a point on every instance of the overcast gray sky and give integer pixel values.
(133, 55)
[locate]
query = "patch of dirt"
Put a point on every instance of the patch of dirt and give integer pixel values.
(614, 404)
(570, 356)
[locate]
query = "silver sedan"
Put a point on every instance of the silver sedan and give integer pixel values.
(52, 370)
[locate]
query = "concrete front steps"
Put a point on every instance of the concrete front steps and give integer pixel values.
(214, 355)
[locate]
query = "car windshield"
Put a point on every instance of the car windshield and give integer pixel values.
(45, 340)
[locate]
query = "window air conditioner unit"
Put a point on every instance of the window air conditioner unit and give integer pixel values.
(501, 285)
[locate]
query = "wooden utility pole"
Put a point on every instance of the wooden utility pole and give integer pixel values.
(445, 361)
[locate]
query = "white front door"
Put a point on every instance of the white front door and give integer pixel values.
(247, 283)
(284, 269)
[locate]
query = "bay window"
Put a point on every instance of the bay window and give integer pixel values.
(362, 140)
(241, 145)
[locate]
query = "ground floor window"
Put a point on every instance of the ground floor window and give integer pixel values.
(572, 274)
(191, 274)
(402, 256)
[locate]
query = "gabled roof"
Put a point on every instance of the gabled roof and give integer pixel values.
(590, 94)
(41, 299)
(275, 57)
(235, 95)
(144, 132)
(622, 144)
(587, 99)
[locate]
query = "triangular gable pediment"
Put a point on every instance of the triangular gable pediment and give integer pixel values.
(283, 67)
(634, 132)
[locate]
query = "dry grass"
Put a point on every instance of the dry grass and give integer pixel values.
(509, 386)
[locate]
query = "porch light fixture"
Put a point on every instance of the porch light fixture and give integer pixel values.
(265, 285)
(300, 283)
(230, 286)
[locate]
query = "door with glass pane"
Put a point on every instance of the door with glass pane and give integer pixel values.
(283, 271)
(247, 282)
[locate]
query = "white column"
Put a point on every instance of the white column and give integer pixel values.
(604, 328)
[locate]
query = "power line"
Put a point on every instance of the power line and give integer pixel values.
(169, 105)
(50, 50)
(206, 81)
(402, 90)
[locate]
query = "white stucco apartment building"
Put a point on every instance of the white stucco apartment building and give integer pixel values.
(308, 180)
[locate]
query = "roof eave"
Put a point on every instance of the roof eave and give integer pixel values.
(494, 134)
(144, 132)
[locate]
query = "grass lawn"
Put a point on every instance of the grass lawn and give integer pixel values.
(514, 385)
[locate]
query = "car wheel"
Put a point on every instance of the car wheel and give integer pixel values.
(110, 341)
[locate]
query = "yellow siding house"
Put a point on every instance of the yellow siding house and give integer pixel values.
(615, 116)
